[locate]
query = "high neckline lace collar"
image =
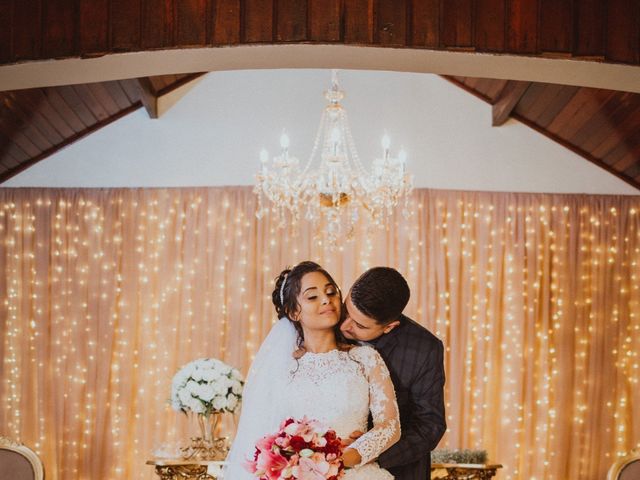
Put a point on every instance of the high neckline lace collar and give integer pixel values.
(328, 353)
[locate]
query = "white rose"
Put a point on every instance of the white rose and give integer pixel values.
(209, 375)
(185, 396)
(191, 386)
(236, 387)
(220, 388)
(291, 429)
(206, 393)
(196, 406)
(180, 378)
(232, 402)
(195, 390)
(219, 402)
(223, 385)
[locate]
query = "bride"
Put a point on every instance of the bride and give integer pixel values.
(304, 369)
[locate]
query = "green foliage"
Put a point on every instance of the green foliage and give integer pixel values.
(459, 456)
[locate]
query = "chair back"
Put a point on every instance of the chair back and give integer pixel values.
(18, 462)
(627, 468)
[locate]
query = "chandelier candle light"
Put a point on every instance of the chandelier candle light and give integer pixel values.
(333, 185)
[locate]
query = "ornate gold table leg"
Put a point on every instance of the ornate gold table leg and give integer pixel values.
(454, 473)
(183, 472)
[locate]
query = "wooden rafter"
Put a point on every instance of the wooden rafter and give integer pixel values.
(599, 125)
(37, 123)
(152, 98)
(148, 96)
(511, 94)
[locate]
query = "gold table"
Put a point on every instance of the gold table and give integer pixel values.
(179, 469)
(463, 471)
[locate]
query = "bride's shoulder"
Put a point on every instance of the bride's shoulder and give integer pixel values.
(364, 352)
(367, 356)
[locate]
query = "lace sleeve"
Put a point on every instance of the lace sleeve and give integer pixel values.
(383, 406)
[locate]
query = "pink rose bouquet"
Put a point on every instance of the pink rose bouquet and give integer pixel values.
(300, 450)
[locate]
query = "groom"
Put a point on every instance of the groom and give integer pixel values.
(414, 357)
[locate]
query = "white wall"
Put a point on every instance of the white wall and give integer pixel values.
(214, 134)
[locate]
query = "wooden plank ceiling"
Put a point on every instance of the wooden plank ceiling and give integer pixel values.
(35, 123)
(606, 31)
(602, 126)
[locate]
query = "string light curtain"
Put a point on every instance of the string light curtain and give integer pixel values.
(106, 293)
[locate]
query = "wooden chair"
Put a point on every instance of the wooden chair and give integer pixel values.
(627, 468)
(18, 462)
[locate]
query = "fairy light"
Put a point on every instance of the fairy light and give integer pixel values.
(536, 298)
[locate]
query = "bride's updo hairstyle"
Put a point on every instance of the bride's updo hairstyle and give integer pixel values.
(287, 288)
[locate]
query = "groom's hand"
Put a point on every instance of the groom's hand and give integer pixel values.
(354, 436)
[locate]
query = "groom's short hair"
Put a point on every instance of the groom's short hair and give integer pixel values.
(381, 293)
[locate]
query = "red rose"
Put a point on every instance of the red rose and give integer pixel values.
(298, 443)
(337, 449)
(330, 435)
(334, 448)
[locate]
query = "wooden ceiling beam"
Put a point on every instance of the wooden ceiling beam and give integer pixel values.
(507, 101)
(180, 83)
(158, 102)
(596, 31)
(148, 96)
(169, 96)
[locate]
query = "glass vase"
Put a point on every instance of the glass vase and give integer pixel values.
(208, 424)
(208, 444)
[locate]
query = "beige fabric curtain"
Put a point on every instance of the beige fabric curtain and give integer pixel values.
(106, 293)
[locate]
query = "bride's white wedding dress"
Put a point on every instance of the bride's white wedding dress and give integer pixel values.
(339, 388)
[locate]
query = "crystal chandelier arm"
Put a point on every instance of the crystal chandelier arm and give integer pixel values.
(352, 146)
(321, 128)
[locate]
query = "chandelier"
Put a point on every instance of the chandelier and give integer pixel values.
(333, 186)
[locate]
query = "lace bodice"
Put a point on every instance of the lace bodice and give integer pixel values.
(339, 388)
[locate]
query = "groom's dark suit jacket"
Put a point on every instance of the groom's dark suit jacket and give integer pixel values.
(414, 357)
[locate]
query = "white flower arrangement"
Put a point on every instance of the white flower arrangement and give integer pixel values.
(206, 386)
